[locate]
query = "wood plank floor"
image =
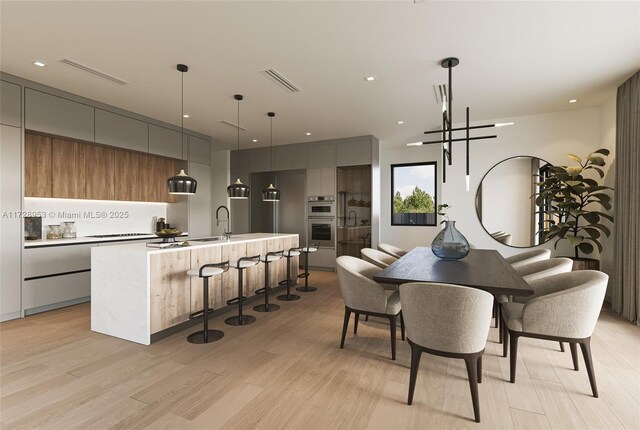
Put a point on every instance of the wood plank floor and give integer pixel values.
(286, 371)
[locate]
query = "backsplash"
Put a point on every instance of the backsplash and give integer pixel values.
(96, 216)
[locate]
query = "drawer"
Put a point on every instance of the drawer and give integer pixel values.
(55, 289)
(55, 259)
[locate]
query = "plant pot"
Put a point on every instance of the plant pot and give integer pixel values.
(585, 263)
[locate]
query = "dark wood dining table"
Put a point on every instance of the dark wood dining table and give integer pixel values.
(484, 269)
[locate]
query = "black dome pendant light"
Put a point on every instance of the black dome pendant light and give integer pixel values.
(182, 183)
(238, 190)
(271, 193)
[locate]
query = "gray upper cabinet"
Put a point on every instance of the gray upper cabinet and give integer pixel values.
(322, 155)
(55, 115)
(259, 160)
(121, 131)
(163, 141)
(289, 157)
(199, 150)
(10, 104)
(355, 153)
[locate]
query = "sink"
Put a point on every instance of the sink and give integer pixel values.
(210, 239)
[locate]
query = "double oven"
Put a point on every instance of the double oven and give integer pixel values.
(321, 217)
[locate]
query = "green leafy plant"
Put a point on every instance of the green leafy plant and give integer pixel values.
(442, 211)
(574, 203)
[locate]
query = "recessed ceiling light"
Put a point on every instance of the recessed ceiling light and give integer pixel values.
(308, 133)
(186, 115)
(39, 63)
(254, 140)
(400, 122)
(573, 101)
(370, 78)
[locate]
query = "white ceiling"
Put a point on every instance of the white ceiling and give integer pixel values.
(515, 58)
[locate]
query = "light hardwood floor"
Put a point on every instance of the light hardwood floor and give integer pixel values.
(287, 371)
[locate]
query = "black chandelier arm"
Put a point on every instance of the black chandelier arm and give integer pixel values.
(473, 127)
(460, 139)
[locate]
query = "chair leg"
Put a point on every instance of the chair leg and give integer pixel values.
(505, 340)
(345, 325)
(501, 327)
(401, 325)
(585, 346)
(480, 369)
(495, 312)
(366, 317)
(514, 355)
(392, 324)
(561, 346)
(415, 365)
(574, 354)
(355, 324)
(471, 361)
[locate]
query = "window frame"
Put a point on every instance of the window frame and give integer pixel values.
(435, 192)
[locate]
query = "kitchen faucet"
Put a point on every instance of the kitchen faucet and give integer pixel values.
(355, 217)
(218, 220)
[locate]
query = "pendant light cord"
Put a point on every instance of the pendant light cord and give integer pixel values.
(238, 156)
(271, 145)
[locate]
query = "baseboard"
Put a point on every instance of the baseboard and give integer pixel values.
(53, 306)
(10, 316)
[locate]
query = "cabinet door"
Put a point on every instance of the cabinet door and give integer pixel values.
(328, 181)
(37, 166)
(100, 172)
(355, 152)
(119, 130)
(169, 168)
(68, 169)
(129, 177)
(56, 115)
(165, 142)
(314, 182)
(322, 155)
(10, 104)
(199, 150)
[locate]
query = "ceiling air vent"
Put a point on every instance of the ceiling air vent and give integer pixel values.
(440, 91)
(281, 81)
(93, 71)
(233, 124)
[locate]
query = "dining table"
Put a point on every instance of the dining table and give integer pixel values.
(485, 269)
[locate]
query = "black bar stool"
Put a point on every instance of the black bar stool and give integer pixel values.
(242, 264)
(306, 251)
(293, 252)
(270, 257)
(205, 272)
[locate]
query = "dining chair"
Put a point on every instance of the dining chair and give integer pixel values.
(393, 251)
(564, 308)
(449, 321)
(364, 296)
(504, 238)
(528, 257)
(531, 272)
(379, 258)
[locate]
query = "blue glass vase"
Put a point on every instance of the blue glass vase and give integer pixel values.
(450, 244)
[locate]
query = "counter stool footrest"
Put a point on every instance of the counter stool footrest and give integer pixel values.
(199, 314)
(236, 300)
(262, 290)
(303, 275)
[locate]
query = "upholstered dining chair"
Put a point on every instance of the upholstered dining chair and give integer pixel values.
(449, 321)
(565, 308)
(364, 296)
(379, 258)
(504, 238)
(528, 257)
(393, 251)
(531, 272)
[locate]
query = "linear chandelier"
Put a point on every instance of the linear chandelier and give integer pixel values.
(447, 126)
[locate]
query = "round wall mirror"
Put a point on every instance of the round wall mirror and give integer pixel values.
(504, 202)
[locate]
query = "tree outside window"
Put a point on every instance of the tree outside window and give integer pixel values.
(414, 198)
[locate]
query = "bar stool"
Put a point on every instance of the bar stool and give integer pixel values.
(293, 252)
(270, 257)
(205, 272)
(242, 264)
(306, 251)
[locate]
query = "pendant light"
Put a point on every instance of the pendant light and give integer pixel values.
(271, 193)
(182, 183)
(238, 190)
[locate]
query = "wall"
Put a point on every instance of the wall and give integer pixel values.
(219, 181)
(547, 136)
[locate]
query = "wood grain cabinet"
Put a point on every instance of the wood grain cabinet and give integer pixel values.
(130, 182)
(100, 165)
(68, 169)
(37, 166)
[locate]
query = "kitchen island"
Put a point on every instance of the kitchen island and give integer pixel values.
(142, 294)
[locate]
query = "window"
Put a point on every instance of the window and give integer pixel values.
(413, 194)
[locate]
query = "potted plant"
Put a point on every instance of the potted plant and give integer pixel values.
(574, 204)
(449, 244)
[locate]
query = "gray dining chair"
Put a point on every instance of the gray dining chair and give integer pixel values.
(379, 258)
(531, 272)
(528, 257)
(564, 308)
(393, 251)
(504, 238)
(364, 296)
(449, 321)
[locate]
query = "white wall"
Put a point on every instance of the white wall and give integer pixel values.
(219, 180)
(547, 136)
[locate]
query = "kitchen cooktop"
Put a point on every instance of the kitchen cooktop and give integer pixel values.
(120, 235)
